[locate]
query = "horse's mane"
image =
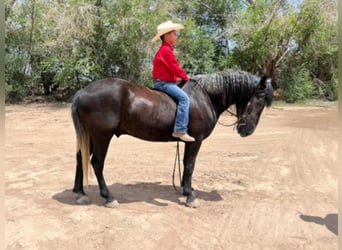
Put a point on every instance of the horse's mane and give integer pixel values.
(237, 83)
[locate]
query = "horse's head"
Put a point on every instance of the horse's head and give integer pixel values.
(249, 117)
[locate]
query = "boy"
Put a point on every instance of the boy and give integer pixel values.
(167, 72)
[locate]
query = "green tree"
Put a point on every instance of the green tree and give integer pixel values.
(197, 49)
(71, 43)
(271, 36)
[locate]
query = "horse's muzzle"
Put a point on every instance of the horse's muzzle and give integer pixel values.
(244, 128)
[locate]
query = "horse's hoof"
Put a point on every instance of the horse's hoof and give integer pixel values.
(112, 204)
(83, 200)
(193, 203)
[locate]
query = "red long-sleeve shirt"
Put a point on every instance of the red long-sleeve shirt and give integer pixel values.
(166, 66)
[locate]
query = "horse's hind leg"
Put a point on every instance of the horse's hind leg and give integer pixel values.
(99, 154)
(82, 198)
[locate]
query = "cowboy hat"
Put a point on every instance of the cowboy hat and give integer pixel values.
(166, 27)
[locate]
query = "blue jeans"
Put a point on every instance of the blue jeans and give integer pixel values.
(182, 113)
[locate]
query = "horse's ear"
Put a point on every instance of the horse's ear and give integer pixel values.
(262, 83)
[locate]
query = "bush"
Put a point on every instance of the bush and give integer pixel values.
(299, 87)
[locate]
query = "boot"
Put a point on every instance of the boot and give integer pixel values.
(183, 136)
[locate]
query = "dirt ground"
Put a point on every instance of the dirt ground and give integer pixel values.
(276, 189)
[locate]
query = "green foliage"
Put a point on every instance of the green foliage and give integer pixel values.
(276, 39)
(71, 43)
(299, 87)
(198, 49)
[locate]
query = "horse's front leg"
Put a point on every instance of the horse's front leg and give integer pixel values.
(190, 154)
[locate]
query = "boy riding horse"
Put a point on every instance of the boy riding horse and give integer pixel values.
(167, 72)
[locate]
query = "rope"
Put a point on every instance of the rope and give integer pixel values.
(229, 125)
(177, 159)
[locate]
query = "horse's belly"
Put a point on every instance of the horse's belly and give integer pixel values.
(149, 121)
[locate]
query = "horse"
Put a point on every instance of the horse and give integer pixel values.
(115, 106)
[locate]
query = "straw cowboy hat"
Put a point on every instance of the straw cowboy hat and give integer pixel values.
(166, 27)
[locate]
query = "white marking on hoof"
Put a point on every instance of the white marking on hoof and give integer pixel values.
(192, 204)
(112, 204)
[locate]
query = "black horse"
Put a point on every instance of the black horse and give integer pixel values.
(114, 107)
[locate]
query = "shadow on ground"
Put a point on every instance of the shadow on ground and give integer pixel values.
(153, 193)
(330, 221)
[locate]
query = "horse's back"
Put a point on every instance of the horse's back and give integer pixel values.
(124, 107)
(117, 87)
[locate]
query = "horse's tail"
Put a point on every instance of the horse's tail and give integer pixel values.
(82, 136)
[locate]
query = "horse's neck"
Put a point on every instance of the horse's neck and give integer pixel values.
(223, 95)
(221, 102)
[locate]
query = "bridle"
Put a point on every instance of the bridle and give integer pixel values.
(238, 122)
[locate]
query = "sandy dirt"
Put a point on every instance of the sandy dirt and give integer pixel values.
(276, 189)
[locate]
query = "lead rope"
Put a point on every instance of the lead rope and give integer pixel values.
(177, 159)
(229, 125)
